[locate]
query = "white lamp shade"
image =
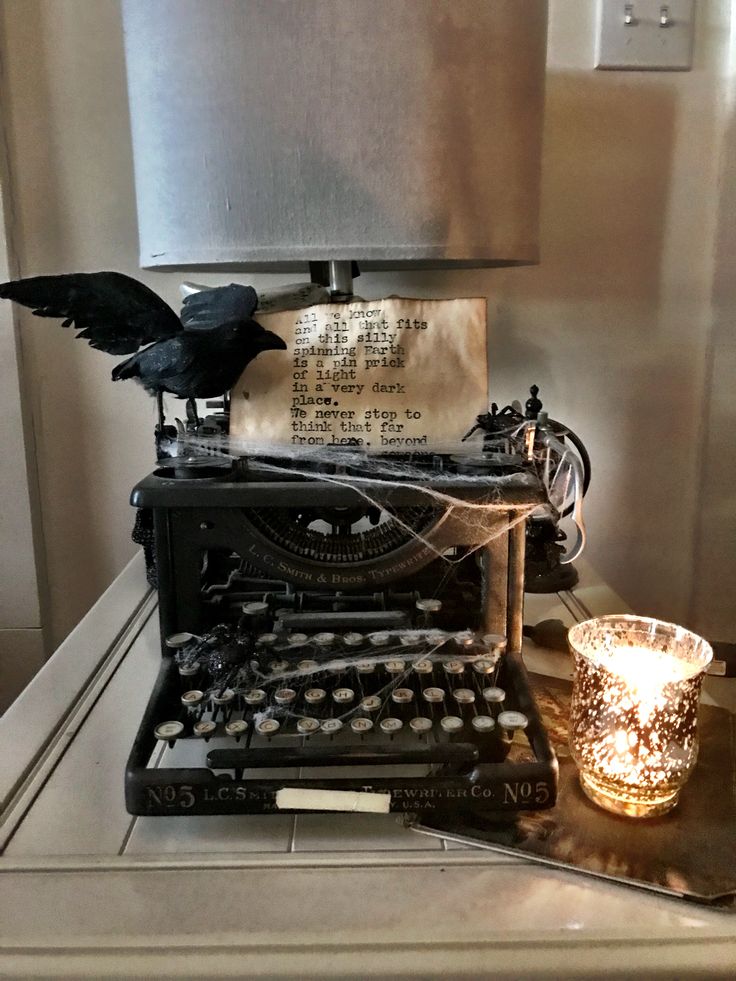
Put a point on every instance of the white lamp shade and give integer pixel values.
(393, 132)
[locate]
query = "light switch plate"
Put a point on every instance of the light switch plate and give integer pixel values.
(645, 35)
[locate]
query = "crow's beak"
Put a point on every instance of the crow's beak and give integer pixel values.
(271, 342)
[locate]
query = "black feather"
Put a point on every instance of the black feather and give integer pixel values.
(223, 304)
(113, 312)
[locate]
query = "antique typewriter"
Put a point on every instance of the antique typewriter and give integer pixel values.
(356, 639)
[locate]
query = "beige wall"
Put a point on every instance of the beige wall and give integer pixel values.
(614, 325)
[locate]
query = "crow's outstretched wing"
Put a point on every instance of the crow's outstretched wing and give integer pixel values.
(223, 304)
(115, 313)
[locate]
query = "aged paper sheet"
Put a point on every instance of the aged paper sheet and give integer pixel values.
(389, 374)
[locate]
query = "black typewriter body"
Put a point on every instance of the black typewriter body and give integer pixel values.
(319, 637)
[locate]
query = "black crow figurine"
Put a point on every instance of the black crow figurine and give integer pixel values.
(200, 356)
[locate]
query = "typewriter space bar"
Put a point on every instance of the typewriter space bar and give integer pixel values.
(456, 754)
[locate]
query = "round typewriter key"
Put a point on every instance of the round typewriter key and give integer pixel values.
(297, 640)
(176, 641)
(411, 638)
(307, 726)
(314, 699)
(451, 724)
(255, 608)
(365, 667)
(189, 670)
(223, 697)
(343, 697)
(324, 639)
(435, 637)
(353, 640)
(203, 729)
(434, 696)
(278, 667)
(395, 668)
(361, 726)
(420, 725)
(236, 728)
(513, 720)
(429, 605)
(256, 696)
(308, 665)
(168, 731)
(391, 725)
(483, 724)
(495, 642)
(379, 639)
(484, 666)
(268, 727)
(403, 702)
(267, 640)
(453, 671)
(371, 704)
(192, 699)
(465, 699)
(494, 696)
(285, 696)
(424, 666)
(464, 638)
(331, 726)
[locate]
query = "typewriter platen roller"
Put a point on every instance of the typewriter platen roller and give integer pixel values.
(315, 639)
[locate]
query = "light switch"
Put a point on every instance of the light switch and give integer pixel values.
(645, 35)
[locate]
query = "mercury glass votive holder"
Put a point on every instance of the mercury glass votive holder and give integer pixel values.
(633, 717)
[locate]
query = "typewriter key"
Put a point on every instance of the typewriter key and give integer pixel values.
(464, 638)
(285, 697)
(204, 729)
(176, 641)
(168, 731)
(494, 699)
(483, 724)
(268, 727)
(484, 666)
(314, 699)
(306, 727)
(511, 726)
(420, 726)
(394, 669)
(353, 640)
(192, 699)
(391, 726)
(402, 700)
(513, 720)
(379, 639)
(223, 697)
(254, 697)
(465, 700)
(453, 671)
(267, 640)
(422, 671)
(255, 608)
(371, 704)
(236, 728)
(435, 699)
(324, 640)
(426, 608)
(495, 642)
(483, 733)
(278, 667)
(436, 637)
(189, 670)
(308, 666)
(331, 726)
(298, 640)
(361, 726)
(411, 638)
(452, 725)
(343, 698)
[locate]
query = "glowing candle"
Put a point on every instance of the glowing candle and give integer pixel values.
(633, 718)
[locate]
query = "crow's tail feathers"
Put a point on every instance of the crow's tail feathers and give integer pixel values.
(130, 368)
